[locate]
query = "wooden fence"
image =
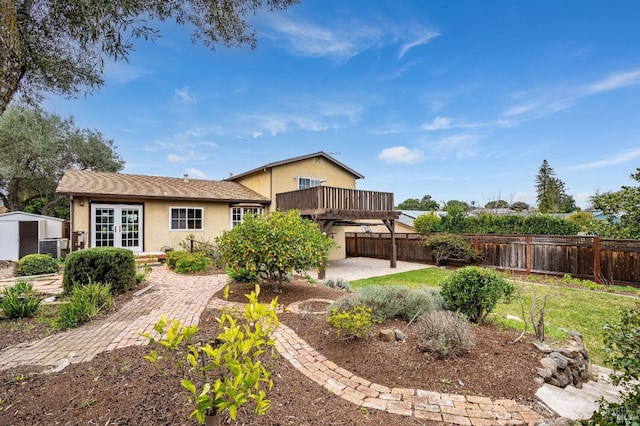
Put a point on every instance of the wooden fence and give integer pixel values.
(601, 260)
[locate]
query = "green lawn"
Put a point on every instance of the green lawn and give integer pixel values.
(569, 309)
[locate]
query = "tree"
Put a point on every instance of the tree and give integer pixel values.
(429, 222)
(60, 46)
(498, 204)
(425, 204)
(455, 205)
(37, 147)
(274, 246)
(519, 206)
(552, 195)
(622, 210)
(584, 220)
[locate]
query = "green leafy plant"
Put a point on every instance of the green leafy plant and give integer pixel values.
(445, 334)
(351, 324)
(475, 291)
(84, 305)
(242, 275)
(107, 265)
(19, 301)
(36, 264)
(274, 246)
(228, 374)
(142, 272)
(622, 353)
(450, 247)
(183, 262)
(427, 223)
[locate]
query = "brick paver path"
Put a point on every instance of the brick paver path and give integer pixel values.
(178, 297)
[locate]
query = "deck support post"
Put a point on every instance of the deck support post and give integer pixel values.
(391, 226)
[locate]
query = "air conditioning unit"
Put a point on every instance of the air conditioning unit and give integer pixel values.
(56, 247)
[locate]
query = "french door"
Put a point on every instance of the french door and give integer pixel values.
(117, 225)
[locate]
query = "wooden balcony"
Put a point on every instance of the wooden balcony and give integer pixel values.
(329, 203)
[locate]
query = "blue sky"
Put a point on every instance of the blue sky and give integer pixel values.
(459, 100)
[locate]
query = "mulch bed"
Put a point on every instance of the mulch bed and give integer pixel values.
(121, 388)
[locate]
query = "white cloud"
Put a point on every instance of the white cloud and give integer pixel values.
(423, 38)
(177, 158)
(344, 40)
(197, 173)
(460, 145)
(122, 72)
(617, 81)
(620, 158)
(184, 96)
(400, 154)
(438, 123)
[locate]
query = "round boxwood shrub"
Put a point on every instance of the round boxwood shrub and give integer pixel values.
(107, 265)
(36, 264)
(474, 291)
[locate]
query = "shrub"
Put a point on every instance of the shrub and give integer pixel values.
(274, 246)
(622, 353)
(354, 323)
(36, 264)
(427, 223)
(85, 304)
(388, 302)
(474, 291)
(108, 265)
(19, 301)
(242, 275)
(445, 334)
(230, 374)
(338, 284)
(450, 247)
(182, 261)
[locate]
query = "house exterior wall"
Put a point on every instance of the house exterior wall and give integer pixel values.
(156, 220)
(283, 178)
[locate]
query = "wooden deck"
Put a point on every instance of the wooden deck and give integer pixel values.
(330, 203)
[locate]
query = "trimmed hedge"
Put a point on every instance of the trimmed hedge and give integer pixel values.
(36, 264)
(108, 265)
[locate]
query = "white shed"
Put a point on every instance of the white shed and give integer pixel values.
(26, 233)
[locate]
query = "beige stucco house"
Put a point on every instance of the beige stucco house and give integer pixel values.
(152, 213)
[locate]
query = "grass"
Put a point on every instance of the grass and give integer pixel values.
(414, 279)
(567, 309)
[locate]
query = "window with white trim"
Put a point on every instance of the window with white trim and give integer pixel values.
(238, 214)
(186, 218)
(304, 183)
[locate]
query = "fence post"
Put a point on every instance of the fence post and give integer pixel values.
(477, 243)
(191, 251)
(596, 259)
(528, 253)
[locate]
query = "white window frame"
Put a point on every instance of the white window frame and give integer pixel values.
(309, 182)
(186, 219)
(237, 214)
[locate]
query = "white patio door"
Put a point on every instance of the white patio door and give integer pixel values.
(116, 225)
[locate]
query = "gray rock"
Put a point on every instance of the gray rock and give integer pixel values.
(561, 360)
(400, 336)
(549, 364)
(543, 347)
(545, 373)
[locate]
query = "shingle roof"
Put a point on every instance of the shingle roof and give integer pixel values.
(90, 183)
(295, 159)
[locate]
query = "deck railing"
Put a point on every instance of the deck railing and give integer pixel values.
(330, 198)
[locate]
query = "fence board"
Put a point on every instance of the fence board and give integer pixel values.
(619, 260)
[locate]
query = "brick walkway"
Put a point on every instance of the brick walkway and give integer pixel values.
(178, 297)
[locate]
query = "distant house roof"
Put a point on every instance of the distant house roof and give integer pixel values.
(93, 184)
(408, 216)
(294, 160)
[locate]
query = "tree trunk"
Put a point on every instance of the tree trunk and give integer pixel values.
(13, 195)
(11, 64)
